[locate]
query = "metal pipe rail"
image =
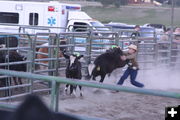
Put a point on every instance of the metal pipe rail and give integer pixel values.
(16, 86)
(57, 80)
(14, 63)
(4, 33)
(28, 26)
(14, 96)
(13, 48)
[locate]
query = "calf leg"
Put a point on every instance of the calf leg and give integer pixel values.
(94, 77)
(3, 83)
(66, 88)
(19, 81)
(80, 88)
(102, 77)
(8, 92)
(15, 81)
(73, 89)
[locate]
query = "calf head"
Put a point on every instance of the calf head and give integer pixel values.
(15, 56)
(63, 48)
(115, 50)
(73, 61)
(118, 51)
(2, 45)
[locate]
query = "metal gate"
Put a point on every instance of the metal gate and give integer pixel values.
(151, 53)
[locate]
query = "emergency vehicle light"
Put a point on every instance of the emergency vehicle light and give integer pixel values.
(51, 8)
(63, 11)
(72, 8)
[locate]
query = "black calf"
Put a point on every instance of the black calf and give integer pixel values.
(9, 41)
(106, 63)
(13, 56)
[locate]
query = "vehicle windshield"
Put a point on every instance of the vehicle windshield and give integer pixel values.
(147, 32)
(159, 26)
(99, 26)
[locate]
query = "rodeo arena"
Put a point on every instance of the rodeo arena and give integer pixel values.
(73, 66)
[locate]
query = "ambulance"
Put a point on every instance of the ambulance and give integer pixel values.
(53, 14)
(53, 17)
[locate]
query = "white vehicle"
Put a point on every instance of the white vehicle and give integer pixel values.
(159, 28)
(48, 14)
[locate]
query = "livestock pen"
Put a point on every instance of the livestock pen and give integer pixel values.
(56, 81)
(90, 44)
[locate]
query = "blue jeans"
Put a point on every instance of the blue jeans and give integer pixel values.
(133, 74)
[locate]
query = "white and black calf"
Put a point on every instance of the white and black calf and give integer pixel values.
(73, 71)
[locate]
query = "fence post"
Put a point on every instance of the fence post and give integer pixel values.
(32, 43)
(156, 49)
(56, 53)
(116, 35)
(89, 47)
(50, 53)
(55, 96)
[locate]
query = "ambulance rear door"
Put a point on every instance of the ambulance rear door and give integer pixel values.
(33, 16)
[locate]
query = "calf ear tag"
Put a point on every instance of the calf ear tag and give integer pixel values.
(114, 46)
(77, 54)
(98, 68)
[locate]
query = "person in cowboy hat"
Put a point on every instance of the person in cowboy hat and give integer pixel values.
(133, 68)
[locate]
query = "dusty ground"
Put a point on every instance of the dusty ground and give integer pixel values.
(116, 106)
(122, 106)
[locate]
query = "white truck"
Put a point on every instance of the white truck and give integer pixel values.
(41, 17)
(48, 14)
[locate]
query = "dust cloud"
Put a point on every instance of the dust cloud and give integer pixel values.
(157, 78)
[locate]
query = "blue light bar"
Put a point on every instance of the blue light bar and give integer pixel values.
(72, 8)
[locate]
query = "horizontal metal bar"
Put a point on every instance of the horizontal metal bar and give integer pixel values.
(14, 63)
(15, 86)
(13, 48)
(91, 84)
(45, 70)
(13, 96)
(4, 33)
(42, 90)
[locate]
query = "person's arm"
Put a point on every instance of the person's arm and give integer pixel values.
(131, 56)
(128, 56)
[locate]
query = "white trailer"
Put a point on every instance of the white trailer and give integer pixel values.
(47, 14)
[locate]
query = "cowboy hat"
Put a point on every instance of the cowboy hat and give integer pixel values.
(134, 47)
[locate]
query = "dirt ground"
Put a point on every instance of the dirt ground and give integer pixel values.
(121, 105)
(116, 106)
(109, 105)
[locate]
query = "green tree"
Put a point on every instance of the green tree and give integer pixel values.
(117, 3)
(105, 3)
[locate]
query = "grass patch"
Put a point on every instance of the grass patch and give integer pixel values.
(133, 15)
